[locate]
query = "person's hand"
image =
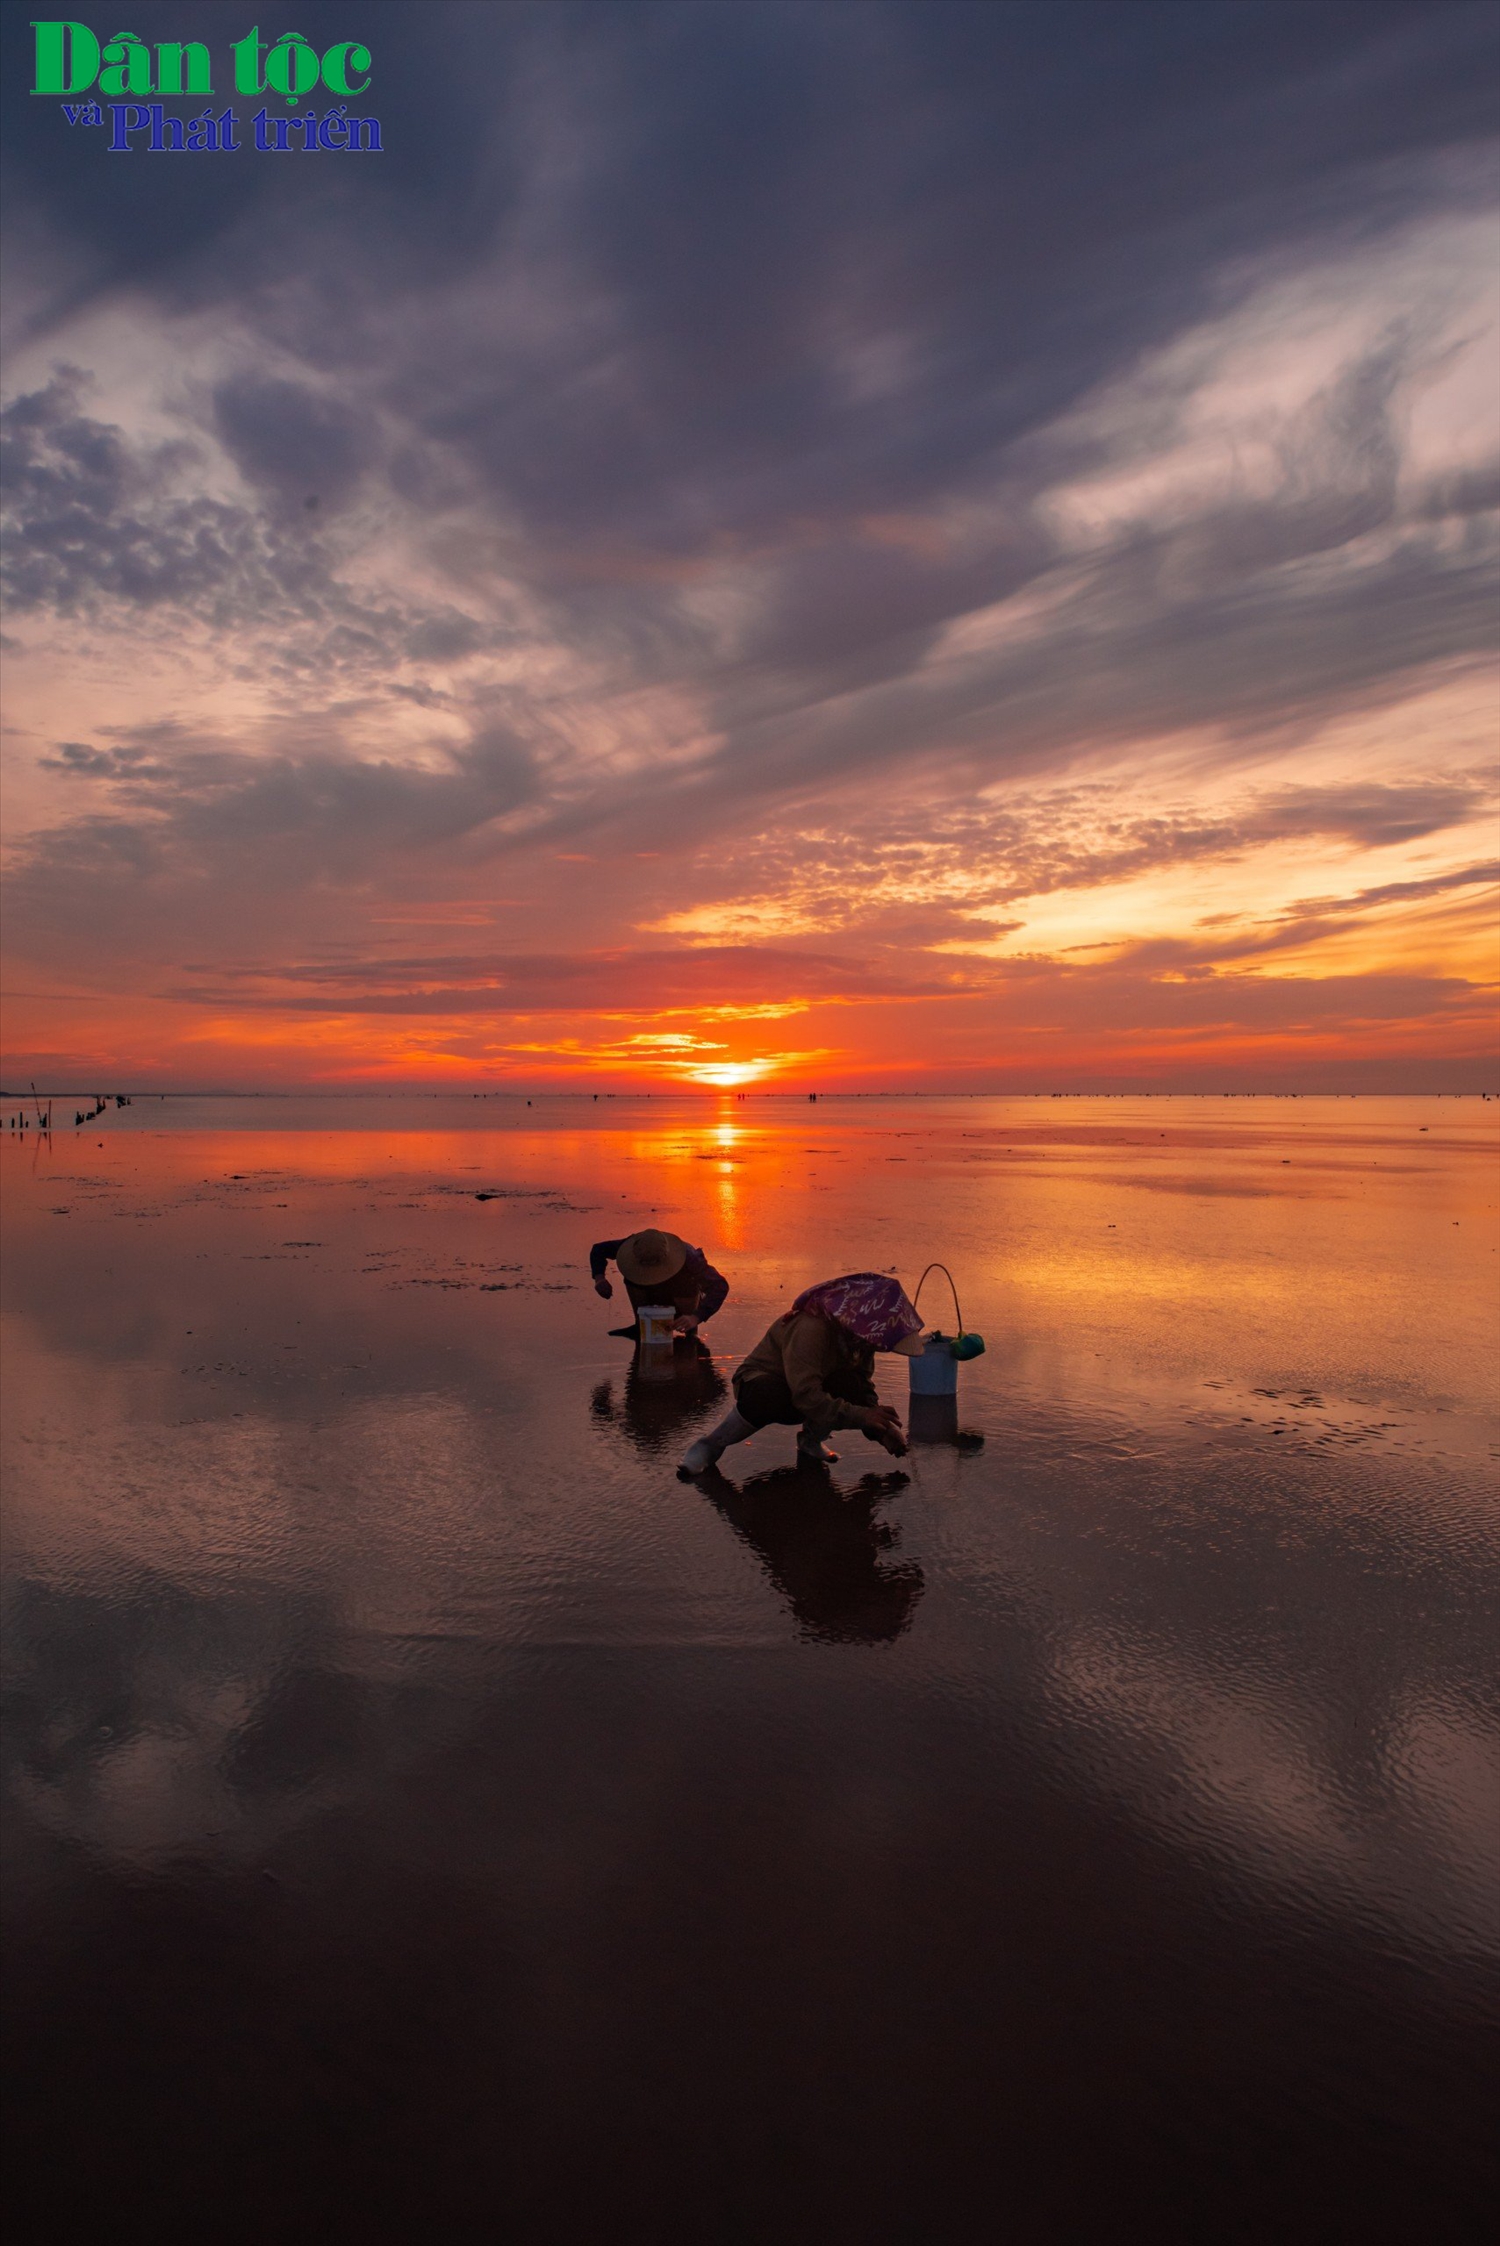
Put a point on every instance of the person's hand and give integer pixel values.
(685, 1323)
(603, 1288)
(884, 1427)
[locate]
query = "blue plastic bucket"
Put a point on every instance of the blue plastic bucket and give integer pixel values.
(935, 1372)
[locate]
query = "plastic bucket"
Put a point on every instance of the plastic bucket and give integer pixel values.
(655, 1322)
(935, 1372)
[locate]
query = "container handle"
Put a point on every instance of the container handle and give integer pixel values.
(947, 1274)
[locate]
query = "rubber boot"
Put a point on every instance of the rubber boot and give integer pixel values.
(812, 1448)
(706, 1452)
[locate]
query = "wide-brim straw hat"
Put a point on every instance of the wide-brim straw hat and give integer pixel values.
(647, 1257)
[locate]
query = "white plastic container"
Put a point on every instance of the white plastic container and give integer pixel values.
(655, 1321)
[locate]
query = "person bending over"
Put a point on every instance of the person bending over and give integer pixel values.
(657, 1267)
(812, 1370)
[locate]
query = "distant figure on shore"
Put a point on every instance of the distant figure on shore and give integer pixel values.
(813, 1370)
(657, 1267)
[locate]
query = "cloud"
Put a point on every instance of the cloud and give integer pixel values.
(833, 259)
(97, 524)
(1295, 930)
(817, 463)
(312, 814)
(1371, 813)
(305, 448)
(1394, 892)
(87, 517)
(908, 869)
(725, 979)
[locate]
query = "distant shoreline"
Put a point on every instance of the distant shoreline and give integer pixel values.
(718, 1094)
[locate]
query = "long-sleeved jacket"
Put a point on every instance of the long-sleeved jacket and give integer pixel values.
(696, 1287)
(808, 1352)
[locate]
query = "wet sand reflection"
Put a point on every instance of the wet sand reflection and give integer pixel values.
(427, 1813)
(665, 1392)
(823, 1549)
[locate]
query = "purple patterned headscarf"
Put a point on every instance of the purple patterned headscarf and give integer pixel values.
(869, 1303)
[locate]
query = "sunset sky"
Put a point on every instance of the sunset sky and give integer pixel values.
(853, 544)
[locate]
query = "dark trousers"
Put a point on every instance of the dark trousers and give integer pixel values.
(766, 1400)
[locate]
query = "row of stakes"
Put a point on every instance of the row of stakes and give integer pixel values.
(21, 1121)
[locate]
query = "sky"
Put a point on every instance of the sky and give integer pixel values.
(868, 545)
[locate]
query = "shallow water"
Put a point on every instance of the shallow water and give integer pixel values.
(429, 1816)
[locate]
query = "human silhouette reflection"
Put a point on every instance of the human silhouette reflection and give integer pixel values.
(664, 1391)
(823, 1551)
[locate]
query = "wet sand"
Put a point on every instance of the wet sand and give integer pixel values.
(428, 1817)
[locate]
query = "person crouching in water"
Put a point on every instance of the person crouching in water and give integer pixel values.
(812, 1370)
(657, 1267)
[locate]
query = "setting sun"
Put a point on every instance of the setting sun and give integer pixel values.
(727, 1075)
